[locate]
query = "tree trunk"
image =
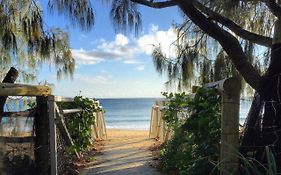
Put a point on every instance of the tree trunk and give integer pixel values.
(264, 130)
(268, 86)
(270, 94)
(10, 77)
(251, 134)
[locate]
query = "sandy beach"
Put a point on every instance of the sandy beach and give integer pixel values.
(125, 152)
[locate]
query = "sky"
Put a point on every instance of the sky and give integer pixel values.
(111, 64)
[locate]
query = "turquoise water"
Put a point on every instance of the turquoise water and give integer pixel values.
(16, 124)
(134, 113)
(130, 113)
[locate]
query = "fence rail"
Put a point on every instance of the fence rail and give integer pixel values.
(57, 124)
(26, 139)
(51, 133)
(158, 127)
(10, 89)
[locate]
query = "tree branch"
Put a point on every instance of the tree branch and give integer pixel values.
(274, 7)
(247, 35)
(158, 5)
(229, 43)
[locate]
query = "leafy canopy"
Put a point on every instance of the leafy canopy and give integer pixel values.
(217, 39)
(26, 41)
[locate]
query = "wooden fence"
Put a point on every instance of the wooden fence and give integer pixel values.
(230, 92)
(48, 121)
(158, 127)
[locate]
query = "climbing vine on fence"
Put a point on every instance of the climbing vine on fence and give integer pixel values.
(80, 124)
(176, 110)
(194, 147)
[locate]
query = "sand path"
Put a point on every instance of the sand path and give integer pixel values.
(125, 153)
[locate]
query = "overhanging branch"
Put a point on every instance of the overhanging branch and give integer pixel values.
(247, 35)
(238, 30)
(158, 4)
(229, 43)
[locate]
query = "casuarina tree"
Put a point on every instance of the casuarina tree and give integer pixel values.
(27, 41)
(246, 47)
(216, 38)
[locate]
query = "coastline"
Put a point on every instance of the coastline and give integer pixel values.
(125, 133)
(125, 151)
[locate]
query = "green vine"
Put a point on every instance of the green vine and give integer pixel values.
(177, 105)
(80, 124)
(194, 148)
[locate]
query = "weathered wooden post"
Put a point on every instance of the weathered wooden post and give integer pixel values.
(151, 122)
(154, 121)
(41, 120)
(52, 135)
(10, 77)
(104, 127)
(230, 89)
(161, 125)
(41, 149)
(159, 118)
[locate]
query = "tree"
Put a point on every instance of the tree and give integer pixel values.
(243, 29)
(26, 41)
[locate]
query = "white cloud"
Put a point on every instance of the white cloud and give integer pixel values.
(121, 40)
(132, 61)
(156, 37)
(83, 36)
(140, 68)
(95, 80)
(128, 50)
(154, 28)
(86, 57)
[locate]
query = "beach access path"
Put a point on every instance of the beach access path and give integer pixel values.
(125, 152)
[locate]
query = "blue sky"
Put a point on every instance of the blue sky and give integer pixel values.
(110, 64)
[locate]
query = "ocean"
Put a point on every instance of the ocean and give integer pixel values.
(128, 113)
(123, 113)
(134, 113)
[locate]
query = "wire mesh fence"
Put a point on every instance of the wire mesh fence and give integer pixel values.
(27, 151)
(17, 143)
(64, 158)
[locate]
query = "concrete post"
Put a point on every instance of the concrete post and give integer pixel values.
(230, 127)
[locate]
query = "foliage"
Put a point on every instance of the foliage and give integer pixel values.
(31, 103)
(80, 124)
(125, 13)
(251, 166)
(79, 12)
(27, 41)
(194, 148)
(200, 53)
(177, 106)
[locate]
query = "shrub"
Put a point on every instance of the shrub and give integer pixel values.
(194, 147)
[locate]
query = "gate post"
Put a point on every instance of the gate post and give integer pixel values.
(53, 135)
(229, 147)
(41, 146)
(230, 127)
